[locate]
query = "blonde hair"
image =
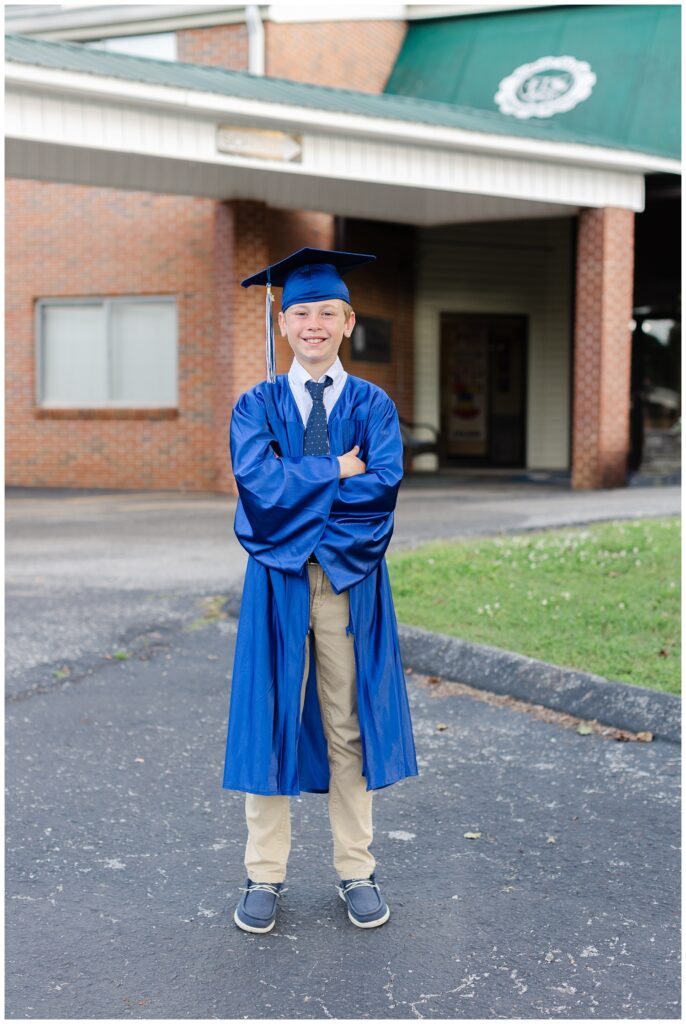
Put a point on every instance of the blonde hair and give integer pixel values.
(347, 308)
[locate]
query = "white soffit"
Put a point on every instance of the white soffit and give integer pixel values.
(52, 109)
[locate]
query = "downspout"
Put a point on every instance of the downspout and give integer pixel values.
(255, 39)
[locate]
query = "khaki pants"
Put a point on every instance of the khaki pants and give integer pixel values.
(350, 805)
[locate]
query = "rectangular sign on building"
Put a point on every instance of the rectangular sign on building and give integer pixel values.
(259, 143)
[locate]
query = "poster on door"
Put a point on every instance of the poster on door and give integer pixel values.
(467, 423)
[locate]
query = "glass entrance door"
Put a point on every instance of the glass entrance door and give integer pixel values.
(483, 375)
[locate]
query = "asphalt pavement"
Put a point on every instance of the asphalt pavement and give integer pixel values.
(124, 854)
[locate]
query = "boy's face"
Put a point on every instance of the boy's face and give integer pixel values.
(315, 331)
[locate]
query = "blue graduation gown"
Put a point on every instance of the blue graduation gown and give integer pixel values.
(289, 505)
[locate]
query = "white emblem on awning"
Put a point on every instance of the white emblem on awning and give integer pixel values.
(547, 86)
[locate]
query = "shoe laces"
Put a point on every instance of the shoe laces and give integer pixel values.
(267, 886)
(358, 881)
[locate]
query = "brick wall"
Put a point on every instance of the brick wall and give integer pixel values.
(227, 335)
(602, 347)
(342, 54)
(224, 46)
(70, 240)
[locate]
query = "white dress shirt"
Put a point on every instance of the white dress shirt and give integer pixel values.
(298, 375)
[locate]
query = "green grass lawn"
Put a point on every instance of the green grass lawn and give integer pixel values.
(603, 598)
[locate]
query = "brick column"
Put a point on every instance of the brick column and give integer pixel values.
(241, 249)
(602, 348)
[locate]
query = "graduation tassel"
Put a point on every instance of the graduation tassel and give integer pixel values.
(271, 370)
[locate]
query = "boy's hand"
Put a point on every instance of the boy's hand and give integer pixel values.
(350, 464)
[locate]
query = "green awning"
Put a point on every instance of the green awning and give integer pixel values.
(619, 83)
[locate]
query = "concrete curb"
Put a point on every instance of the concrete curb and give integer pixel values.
(563, 689)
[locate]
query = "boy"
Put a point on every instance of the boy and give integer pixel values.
(318, 698)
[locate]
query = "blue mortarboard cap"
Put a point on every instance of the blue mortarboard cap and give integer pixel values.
(308, 275)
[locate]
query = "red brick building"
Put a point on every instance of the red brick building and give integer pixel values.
(156, 158)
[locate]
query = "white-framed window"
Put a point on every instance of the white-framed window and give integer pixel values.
(160, 45)
(107, 353)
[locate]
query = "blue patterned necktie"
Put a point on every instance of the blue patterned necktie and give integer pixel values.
(316, 432)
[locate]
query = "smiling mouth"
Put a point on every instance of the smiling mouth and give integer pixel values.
(313, 341)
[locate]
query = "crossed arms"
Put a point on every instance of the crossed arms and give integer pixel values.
(291, 505)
